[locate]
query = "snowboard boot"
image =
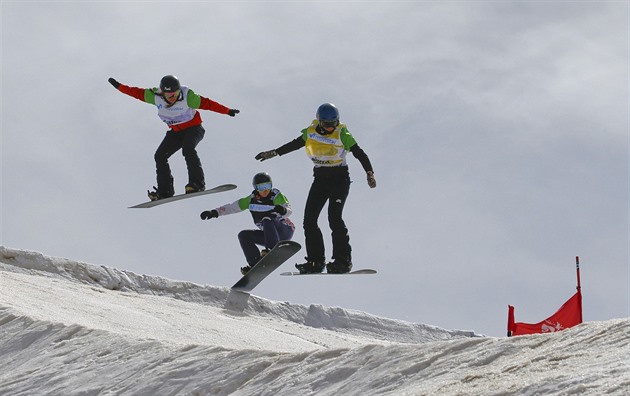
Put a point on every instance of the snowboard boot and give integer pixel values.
(194, 187)
(263, 253)
(339, 266)
(311, 267)
(153, 195)
(156, 194)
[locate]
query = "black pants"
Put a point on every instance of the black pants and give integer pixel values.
(186, 140)
(330, 186)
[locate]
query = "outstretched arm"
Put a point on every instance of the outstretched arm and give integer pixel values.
(231, 208)
(293, 145)
(199, 102)
(142, 94)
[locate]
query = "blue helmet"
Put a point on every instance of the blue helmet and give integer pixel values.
(328, 116)
(328, 112)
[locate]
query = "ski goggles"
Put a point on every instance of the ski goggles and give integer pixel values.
(329, 124)
(263, 186)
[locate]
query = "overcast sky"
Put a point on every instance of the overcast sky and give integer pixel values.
(498, 132)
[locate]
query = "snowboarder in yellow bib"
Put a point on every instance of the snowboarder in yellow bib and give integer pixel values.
(327, 142)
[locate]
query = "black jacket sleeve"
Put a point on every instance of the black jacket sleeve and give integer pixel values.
(362, 157)
(293, 145)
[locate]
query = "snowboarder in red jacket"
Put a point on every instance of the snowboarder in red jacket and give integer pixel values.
(177, 106)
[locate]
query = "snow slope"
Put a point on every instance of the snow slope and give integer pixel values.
(71, 328)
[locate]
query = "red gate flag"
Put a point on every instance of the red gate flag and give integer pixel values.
(569, 315)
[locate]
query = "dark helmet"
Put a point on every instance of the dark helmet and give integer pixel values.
(169, 84)
(261, 178)
(328, 115)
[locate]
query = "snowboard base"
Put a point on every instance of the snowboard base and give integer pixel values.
(355, 272)
(272, 260)
(150, 204)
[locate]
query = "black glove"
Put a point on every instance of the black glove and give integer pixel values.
(265, 155)
(209, 214)
(280, 209)
(233, 112)
(115, 83)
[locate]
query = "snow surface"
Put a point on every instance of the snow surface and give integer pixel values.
(72, 328)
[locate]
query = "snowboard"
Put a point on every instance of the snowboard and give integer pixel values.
(150, 204)
(274, 259)
(355, 272)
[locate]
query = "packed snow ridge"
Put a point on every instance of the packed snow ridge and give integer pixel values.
(72, 328)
